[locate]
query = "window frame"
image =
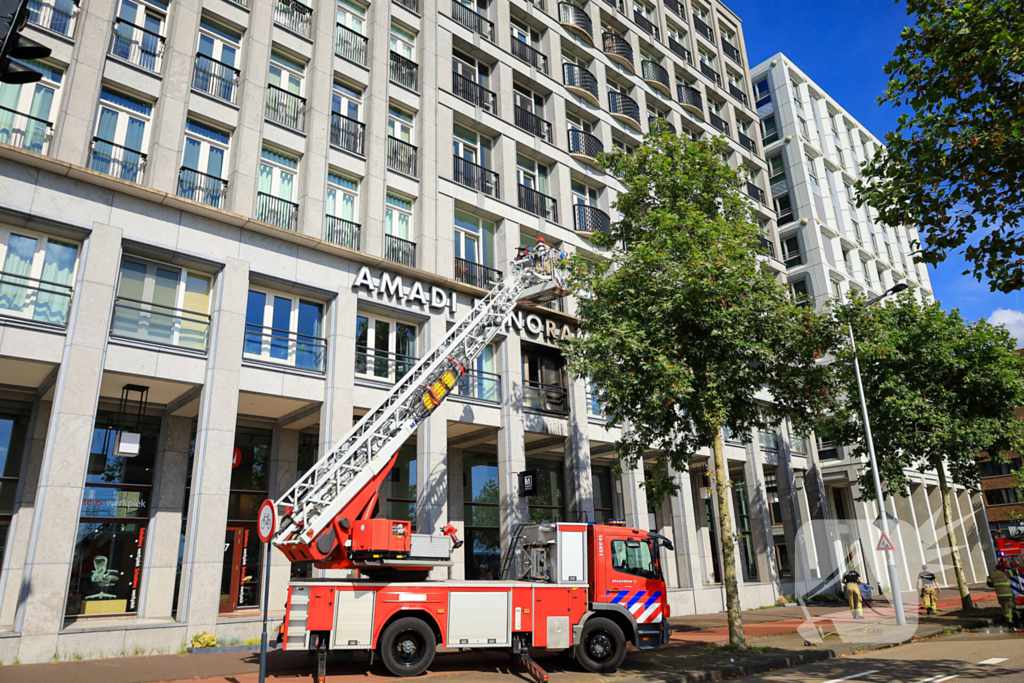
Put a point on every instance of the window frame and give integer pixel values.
(294, 336)
(36, 270)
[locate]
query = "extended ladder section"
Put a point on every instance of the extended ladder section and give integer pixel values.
(323, 494)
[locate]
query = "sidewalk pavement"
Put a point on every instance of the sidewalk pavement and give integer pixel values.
(694, 653)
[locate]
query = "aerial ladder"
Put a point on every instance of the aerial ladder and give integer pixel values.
(327, 517)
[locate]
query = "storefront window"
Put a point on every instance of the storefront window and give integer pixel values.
(480, 491)
(240, 578)
(601, 476)
(549, 505)
(742, 506)
(400, 488)
(13, 426)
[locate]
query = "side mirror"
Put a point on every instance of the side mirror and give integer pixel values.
(667, 545)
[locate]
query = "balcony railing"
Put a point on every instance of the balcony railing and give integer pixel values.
(342, 232)
(476, 274)
(690, 97)
(115, 160)
(656, 75)
(582, 80)
(285, 108)
(347, 133)
(706, 69)
(530, 55)
(680, 50)
(577, 20)
(137, 46)
(755, 192)
(718, 122)
(646, 24)
(202, 187)
(623, 105)
(673, 7)
(538, 203)
(477, 177)
(351, 45)
(411, 5)
(473, 20)
(544, 398)
(294, 16)
(402, 157)
(730, 51)
(532, 123)
(703, 28)
(405, 72)
(383, 366)
(215, 78)
(767, 246)
(479, 385)
(158, 324)
(30, 298)
(590, 219)
(584, 144)
(655, 121)
(618, 48)
(27, 132)
(284, 347)
(737, 93)
(398, 250)
(56, 15)
(277, 211)
(748, 143)
(471, 91)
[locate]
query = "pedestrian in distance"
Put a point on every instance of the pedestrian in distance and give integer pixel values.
(928, 589)
(851, 580)
(1000, 580)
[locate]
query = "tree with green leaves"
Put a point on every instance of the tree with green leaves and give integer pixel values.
(954, 166)
(682, 327)
(940, 391)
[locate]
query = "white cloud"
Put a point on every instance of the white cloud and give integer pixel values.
(1013, 320)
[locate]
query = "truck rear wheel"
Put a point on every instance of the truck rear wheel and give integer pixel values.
(408, 646)
(602, 646)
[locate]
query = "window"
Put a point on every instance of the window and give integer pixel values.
(635, 557)
(1003, 497)
(14, 419)
(474, 251)
(121, 135)
(138, 32)
(741, 505)
(284, 329)
(470, 73)
(37, 273)
(241, 575)
(400, 125)
(771, 487)
(161, 304)
(548, 506)
(399, 489)
(837, 290)
(398, 217)
(352, 16)
(471, 151)
(215, 72)
(481, 510)
(285, 104)
(385, 349)
(543, 386)
(776, 170)
(531, 174)
(867, 272)
(762, 93)
(25, 109)
(991, 468)
(812, 175)
(342, 211)
(769, 130)
(705, 57)
(403, 42)
(784, 209)
(274, 200)
(601, 478)
(201, 178)
(801, 292)
(346, 102)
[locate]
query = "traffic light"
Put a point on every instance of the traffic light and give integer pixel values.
(13, 17)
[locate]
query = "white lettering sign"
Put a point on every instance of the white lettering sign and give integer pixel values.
(548, 330)
(391, 287)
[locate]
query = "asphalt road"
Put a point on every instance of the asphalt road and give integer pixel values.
(993, 655)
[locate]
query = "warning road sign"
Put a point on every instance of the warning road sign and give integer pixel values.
(885, 543)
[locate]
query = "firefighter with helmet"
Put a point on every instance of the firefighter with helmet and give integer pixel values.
(1000, 580)
(851, 580)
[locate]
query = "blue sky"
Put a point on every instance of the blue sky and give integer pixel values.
(843, 46)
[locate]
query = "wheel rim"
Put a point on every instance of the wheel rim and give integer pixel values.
(409, 649)
(600, 646)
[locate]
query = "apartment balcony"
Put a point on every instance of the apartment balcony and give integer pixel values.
(748, 143)
(690, 99)
(731, 52)
(737, 93)
(285, 107)
(656, 76)
(719, 123)
(276, 211)
(680, 50)
(756, 193)
(544, 398)
(403, 157)
(284, 347)
(59, 16)
(115, 160)
(476, 177)
(216, 78)
(400, 251)
(624, 108)
(137, 46)
(348, 134)
(703, 29)
(618, 50)
(584, 147)
(476, 274)
(404, 72)
(479, 385)
(294, 16)
(538, 204)
(655, 121)
(411, 5)
(202, 187)
(646, 25)
(342, 232)
(29, 298)
(351, 45)
(531, 123)
(581, 83)
(767, 246)
(473, 20)
(25, 131)
(471, 91)
(587, 220)
(532, 56)
(706, 69)
(382, 366)
(674, 7)
(154, 323)
(576, 21)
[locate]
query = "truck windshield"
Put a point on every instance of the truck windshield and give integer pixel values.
(638, 560)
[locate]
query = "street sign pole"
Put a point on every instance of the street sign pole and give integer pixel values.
(265, 526)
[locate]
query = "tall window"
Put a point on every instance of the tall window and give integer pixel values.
(400, 125)
(284, 329)
(346, 101)
(25, 109)
(215, 64)
(121, 135)
(481, 509)
(769, 130)
(812, 175)
(343, 210)
(403, 42)
(601, 478)
(352, 16)
(137, 35)
(14, 418)
(36, 276)
(399, 489)
(474, 247)
(543, 384)
(531, 174)
(398, 217)
(548, 506)
(241, 573)
(162, 304)
(748, 558)
(385, 349)
(203, 164)
(285, 103)
(275, 204)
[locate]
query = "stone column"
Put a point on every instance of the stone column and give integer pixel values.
(634, 497)
(875, 567)
(962, 536)
(792, 520)
(905, 570)
(511, 440)
(432, 452)
(821, 520)
(911, 546)
(760, 515)
(923, 519)
(684, 531)
(578, 478)
(457, 511)
(336, 411)
(934, 498)
(981, 519)
(283, 469)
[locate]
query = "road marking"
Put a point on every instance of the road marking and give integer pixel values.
(846, 678)
(939, 680)
(994, 660)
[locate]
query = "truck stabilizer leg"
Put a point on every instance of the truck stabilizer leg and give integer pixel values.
(321, 661)
(539, 674)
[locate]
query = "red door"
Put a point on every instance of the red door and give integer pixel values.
(232, 571)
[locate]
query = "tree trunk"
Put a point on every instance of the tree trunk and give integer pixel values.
(947, 519)
(732, 591)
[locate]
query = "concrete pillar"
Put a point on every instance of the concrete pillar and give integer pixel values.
(511, 440)
(974, 537)
(634, 497)
(923, 519)
(910, 543)
(284, 459)
(874, 562)
(814, 569)
(65, 456)
(578, 478)
(760, 515)
(336, 411)
(684, 531)
(905, 568)
(941, 534)
(792, 520)
(981, 519)
(432, 451)
(821, 520)
(962, 537)
(457, 510)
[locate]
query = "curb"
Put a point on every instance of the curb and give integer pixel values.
(759, 665)
(230, 648)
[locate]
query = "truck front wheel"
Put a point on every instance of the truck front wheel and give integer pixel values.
(602, 646)
(407, 647)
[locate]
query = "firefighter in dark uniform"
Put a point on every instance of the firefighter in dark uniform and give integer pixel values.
(928, 587)
(851, 580)
(1000, 580)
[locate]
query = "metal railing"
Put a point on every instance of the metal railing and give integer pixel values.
(755, 192)
(202, 187)
(59, 16)
(347, 133)
(617, 46)
(383, 365)
(473, 20)
(624, 105)
(342, 232)
(294, 16)
(581, 142)
(769, 441)
(411, 5)
(285, 107)
(730, 51)
(277, 211)
(476, 274)
(706, 69)
(590, 219)
(479, 385)
(115, 160)
(471, 91)
(351, 45)
(398, 250)
(690, 97)
(137, 46)
(284, 347)
(718, 122)
(747, 142)
(25, 131)
(646, 24)
(43, 301)
(575, 76)
(532, 123)
(576, 17)
(529, 54)
(477, 177)
(544, 398)
(402, 157)
(215, 78)
(798, 444)
(158, 324)
(680, 50)
(737, 93)
(404, 72)
(538, 203)
(703, 28)
(655, 73)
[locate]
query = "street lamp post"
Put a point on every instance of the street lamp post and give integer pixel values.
(894, 579)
